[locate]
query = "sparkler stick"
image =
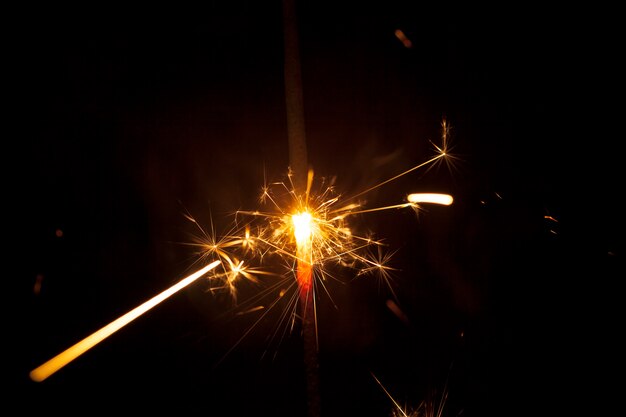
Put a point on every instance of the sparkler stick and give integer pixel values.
(293, 97)
(51, 366)
(298, 165)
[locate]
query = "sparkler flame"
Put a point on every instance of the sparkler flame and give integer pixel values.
(302, 227)
(309, 234)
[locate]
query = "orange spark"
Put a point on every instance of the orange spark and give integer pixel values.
(402, 37)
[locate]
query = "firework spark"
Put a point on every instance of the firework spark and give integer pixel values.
(393, 400)
(431, 407)
(310, 234)
(51, 366)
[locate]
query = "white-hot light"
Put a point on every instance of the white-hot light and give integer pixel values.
(302, 227)
(434, 198)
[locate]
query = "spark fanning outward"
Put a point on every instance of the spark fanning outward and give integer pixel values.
(430, 407)
(310, 234)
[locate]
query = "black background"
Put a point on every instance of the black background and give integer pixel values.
(125, 121)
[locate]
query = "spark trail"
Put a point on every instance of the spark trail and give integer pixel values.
(59, 361)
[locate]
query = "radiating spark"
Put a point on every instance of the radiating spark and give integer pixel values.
(51, 366)
(309, 233)
(389, 395)
(445, 149)
(251, 310)
(423, 164)
(427, 408)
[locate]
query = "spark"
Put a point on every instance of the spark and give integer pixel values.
(390, 396)
(443, 199)
(53, 365)
(427, 408)
(309, 234)
(402, 38)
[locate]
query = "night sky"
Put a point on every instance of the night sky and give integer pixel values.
(127, 122)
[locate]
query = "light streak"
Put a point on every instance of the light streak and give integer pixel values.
(402, 37)
(389, 395)
(443, 199)
(59, 361)
(427, 408)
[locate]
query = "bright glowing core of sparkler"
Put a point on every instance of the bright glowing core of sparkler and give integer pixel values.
(302, 223)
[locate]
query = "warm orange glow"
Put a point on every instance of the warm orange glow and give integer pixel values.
(48, 368)
(402, 37)
(37, 286)
(305, 277)
(302, 231)
(395, 309)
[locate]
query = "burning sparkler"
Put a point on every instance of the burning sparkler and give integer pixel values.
(306, 231)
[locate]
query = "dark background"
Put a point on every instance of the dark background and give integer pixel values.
(125, 121)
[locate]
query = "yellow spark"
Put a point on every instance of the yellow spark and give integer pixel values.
(427, 408)
(51, 366)
(444, 150)
(434, 198)
(430, 161)
(389, 395)
(250, 310)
